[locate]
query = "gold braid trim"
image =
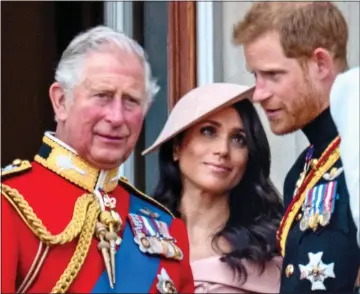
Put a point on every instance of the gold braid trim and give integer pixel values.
(81, 251)
(83, 222)
(288, 221)
(71, 231)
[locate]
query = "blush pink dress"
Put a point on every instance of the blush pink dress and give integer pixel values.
(214, 276)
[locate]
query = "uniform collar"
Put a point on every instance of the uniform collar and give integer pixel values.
(322, 130)
(60, 158)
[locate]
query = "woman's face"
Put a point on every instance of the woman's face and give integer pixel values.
(213, 154)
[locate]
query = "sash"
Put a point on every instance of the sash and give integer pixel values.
(326, 161)
(135, 270)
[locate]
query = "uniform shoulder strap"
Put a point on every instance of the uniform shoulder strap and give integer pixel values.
(17, 167)
(130, 188)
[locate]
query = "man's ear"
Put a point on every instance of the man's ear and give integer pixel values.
(324, 63)
(58, 101)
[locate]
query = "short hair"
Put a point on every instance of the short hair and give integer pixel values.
(69, 69)
(302, 28)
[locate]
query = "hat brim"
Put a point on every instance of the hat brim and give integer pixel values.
(162, 138)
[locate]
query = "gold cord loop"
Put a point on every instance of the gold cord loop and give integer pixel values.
(82, 224)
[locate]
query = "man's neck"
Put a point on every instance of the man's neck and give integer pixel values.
(61, 159)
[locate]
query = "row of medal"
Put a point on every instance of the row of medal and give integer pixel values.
(318, 206)
(153, 237)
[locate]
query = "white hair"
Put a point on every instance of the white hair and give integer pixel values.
(69, 69)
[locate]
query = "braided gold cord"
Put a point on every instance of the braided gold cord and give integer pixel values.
(81, 250)
(86, 213)
(71, 231)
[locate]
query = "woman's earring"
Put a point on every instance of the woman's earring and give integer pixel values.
(176, 158)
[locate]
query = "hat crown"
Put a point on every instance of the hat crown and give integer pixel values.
(197, 104)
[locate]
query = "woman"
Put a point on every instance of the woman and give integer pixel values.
(214, 174)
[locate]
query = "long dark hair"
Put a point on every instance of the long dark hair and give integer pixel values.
(255, 205)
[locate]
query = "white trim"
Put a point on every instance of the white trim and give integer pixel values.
(209, 42)
(119, 15)
(205, 42)
(51, 136)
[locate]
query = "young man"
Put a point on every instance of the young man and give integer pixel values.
(67, 224)
(295, 51)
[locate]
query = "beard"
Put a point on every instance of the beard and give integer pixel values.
(302, 109)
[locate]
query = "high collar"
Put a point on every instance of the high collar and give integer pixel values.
(60, 158)
(321, 130)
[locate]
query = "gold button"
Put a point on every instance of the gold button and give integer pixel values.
(289, 270)
(16, 162)
(313, 164)
(298, 217)
(124, 179)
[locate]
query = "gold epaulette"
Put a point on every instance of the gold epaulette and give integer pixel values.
(16, 167)
(124, 183)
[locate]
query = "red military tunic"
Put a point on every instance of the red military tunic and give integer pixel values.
(51, 186)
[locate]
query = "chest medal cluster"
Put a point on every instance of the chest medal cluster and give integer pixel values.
(153, 236)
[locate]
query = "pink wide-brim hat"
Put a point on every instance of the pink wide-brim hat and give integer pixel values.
(196, 105)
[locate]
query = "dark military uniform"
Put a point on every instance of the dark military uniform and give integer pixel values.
(319, 258)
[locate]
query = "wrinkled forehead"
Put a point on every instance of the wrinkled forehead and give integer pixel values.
(113, 67)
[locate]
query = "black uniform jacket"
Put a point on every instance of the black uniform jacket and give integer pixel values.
(329, 255)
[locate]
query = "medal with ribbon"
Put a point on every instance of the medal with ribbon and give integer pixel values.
(302, 176)
(153, 237)
(328, 203)
(173, 251)
(318, 206)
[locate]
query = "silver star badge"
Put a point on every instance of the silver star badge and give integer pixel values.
(316, 271)
(165, 284)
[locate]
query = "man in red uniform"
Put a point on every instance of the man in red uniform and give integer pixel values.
(68, 224)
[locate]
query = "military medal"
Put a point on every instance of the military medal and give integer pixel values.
(316, 271)
(165, 284)
(314, 221)
(333, 174)
(328, 204)
(325, 220)
(173, 250)
(152, 236)
(318, 199)
(146, 211)
(307, 205)
(156, 245)
(305, 169)
(307, 208)
(303, 224)
(140, 233)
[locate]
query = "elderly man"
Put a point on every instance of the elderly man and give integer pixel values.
(295, 51)
(68, 224)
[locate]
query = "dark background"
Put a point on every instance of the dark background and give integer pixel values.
(33, 36)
